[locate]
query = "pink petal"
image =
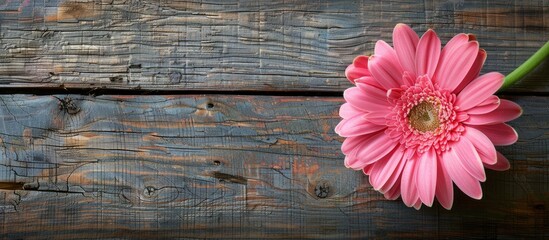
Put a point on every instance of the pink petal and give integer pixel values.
(467, 183)
(378, 108)
(382, 49)
(471, 37)
(427, 54)
(394, 93)
(510, 109)
(445, 188)
(483, 145)
(465, 151)
(454, 67)
(357, 163)
(361, 61)
(408, 186)
(426, 179)
(474, 71)
(378, 117)
(350, 160)
(348, 111)
(393, 133)
(462, 116)
(387, 73)
(350, 143)
(489, 101)
(376, 97)
(455, 42)
(405, 41)
(394, 192)
(488, 105)
(374, 149)
(367, 170)
(501, 165)
(385, 50)
(376, 168)
(388, 166)
(368, 80)
(500, 134)
(479, 90)
(417, 205)
(394, 179)
(356, 126)
(359, 68)
(356, 98)
(408, 79)
(506, 111)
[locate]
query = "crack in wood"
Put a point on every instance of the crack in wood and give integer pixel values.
(230, 178)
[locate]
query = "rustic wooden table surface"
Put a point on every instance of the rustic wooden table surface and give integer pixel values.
(199, 119)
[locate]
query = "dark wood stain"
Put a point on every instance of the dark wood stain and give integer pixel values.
(11, 185)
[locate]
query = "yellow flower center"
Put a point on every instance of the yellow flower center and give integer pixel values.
(424, 117)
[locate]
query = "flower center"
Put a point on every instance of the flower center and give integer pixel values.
(424, 117)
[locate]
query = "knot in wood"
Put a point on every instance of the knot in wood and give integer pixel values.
(68, 105)
(149, 191)
(322, 190)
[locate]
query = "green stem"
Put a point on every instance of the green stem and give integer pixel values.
(526, 67)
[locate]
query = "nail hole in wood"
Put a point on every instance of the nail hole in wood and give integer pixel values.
(134, 66)
(116, 79)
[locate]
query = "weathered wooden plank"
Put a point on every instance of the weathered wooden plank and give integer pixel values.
(277, 45)
(231, 166)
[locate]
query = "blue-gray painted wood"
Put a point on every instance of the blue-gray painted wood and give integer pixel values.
(214, 166)
(232, 166)
(237, 45)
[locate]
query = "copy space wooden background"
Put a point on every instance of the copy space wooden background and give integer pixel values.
(200, 119)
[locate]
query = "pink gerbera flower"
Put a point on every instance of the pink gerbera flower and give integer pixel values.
(421, 119)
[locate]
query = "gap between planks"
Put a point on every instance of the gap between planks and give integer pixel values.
(45, 91)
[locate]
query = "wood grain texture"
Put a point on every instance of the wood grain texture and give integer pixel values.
(216, 166)
(238, 45)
